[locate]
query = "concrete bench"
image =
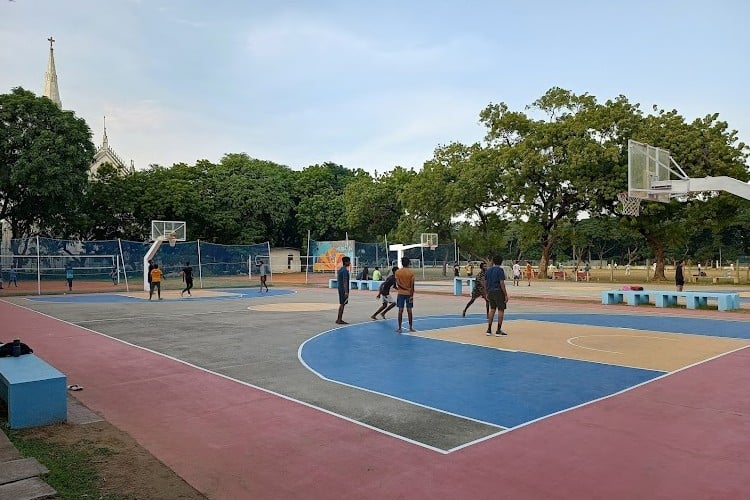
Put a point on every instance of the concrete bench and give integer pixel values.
(693, 300)
(696, 279)
(333, 283)
(458, 284)
(375, 285)
(359, 284)
(34, 391)
(728, 279)
(633, 297)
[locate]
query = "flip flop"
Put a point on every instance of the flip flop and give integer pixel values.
(75, 387)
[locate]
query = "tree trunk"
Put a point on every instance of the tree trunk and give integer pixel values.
(544, 260)
(659, 259)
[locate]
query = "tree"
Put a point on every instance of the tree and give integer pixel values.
(45, 153)
(545, 170)
(374, 204)
(319, 190)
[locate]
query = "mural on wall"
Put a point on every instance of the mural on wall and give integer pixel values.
(328, 254)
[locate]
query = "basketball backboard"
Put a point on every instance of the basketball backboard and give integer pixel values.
(429, 240)
(168, 229)
(651, 171)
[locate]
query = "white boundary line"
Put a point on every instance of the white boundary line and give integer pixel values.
(571, 339)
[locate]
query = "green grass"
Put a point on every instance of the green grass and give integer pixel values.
(72, 469)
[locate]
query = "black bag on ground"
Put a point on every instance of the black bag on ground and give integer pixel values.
(6, 350)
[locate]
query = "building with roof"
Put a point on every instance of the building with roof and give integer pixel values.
(104, 153)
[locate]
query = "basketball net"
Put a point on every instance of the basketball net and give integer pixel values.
(629, 204)
(172, 239)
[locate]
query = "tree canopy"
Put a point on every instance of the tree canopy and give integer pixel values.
(45, 153)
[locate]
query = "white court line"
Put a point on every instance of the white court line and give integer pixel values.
(569, 341)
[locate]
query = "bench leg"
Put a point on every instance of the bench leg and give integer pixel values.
(457, 287)
(609, 298)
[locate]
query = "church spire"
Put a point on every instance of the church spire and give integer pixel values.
(50, 78)
(105, 141)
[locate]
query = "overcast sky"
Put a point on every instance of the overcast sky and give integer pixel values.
(363, 84)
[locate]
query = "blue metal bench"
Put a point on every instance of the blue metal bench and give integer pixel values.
(34, 391)
(333, 283)
(693, 299)
(458, 284)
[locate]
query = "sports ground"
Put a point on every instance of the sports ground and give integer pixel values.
(260, 395)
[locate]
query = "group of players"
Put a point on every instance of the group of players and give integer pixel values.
(401, 279)
(489, 284)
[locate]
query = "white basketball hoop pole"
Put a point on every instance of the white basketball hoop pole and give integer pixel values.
(150, 256)
(399, 249)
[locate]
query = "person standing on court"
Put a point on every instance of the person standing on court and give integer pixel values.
(478, 290)
(497, 295)
(679, 275)
(156, 276)
(405, 298)
(263, 272)
(13, 278)
(69, 277)
(342, 281)
(529, 271)
(150, 268)
(187, 278)
(516, 274)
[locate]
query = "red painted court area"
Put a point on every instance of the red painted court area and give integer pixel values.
(684, 436)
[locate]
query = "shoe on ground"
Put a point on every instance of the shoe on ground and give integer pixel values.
(488, 333)
(500, 333)
(373, 318)
(382, 316)
(341, 322)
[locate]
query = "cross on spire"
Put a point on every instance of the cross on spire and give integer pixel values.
(51, 41)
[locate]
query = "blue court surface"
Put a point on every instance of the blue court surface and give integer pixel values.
(500, 387)
(232, 294)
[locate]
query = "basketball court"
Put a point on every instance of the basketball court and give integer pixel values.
(257, 395)
(250, 394)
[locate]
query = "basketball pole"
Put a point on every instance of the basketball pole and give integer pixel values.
(421, 249)
(307, 260)
(200, 265)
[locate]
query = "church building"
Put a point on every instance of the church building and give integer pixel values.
(104, 153)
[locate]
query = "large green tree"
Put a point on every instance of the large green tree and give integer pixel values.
(374, 205)
(45, 154)
(320, 201)
(546, 170)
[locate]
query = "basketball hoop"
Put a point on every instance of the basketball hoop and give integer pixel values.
(630, 204)
(172, 239)
(432, 247)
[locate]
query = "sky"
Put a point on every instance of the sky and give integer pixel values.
(369, 85)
